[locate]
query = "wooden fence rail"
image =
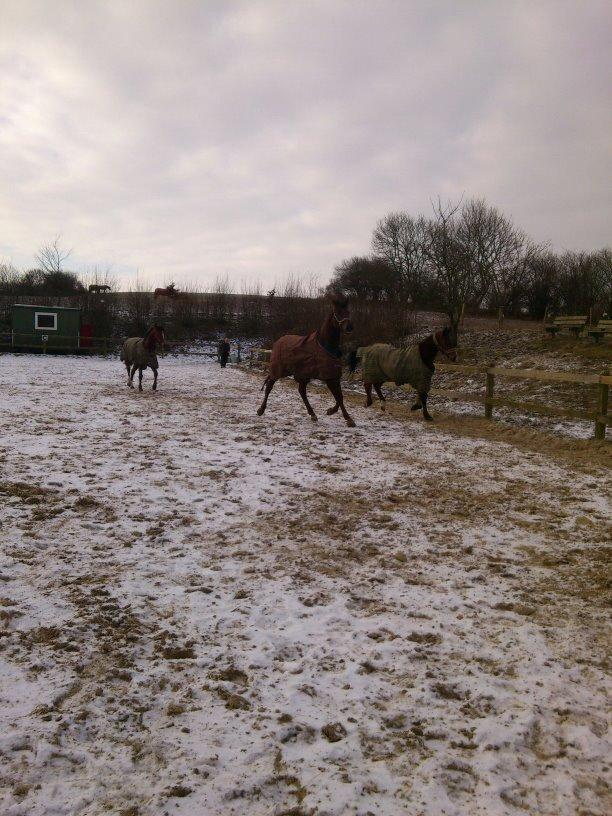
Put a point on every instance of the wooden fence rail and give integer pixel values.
(600, 416)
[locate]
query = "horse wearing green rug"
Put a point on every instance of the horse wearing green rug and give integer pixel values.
(140, 353)
(404, 366)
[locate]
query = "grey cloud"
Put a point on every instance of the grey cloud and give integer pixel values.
(190, 139)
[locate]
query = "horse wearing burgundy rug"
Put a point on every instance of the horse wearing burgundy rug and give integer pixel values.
(316, 356)
(140, 353)
(413, 366)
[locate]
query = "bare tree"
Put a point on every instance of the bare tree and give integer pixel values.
(542, 285)
(497, 252)
(9, 279)
(402, 241)
(585, 281)
(446, 253)
(51, 256)
(603, 260)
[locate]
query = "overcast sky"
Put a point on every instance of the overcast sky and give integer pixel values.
(255, 139)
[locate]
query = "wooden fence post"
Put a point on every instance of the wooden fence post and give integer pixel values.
(602, 410)
(489, 395)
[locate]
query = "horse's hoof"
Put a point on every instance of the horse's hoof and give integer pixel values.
(260, 411)
(367, 404)
(428, 417)
(330, 411)
(314, 417)
(416, 407)
(351, 423)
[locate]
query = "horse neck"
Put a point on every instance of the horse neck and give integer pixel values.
(329, 333)
(428, 350)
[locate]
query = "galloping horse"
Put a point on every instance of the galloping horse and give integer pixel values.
(314, 357)
(381, 363)
(139, 353)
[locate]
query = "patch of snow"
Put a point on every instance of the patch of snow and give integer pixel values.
(211, 612)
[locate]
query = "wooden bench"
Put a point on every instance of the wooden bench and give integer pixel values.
(602, 329)
(574, 323)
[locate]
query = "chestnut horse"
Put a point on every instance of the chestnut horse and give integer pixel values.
(414, 366)
(169, 291)
(314, 357)
(140, 353)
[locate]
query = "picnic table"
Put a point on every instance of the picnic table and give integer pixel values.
(573, 323)
(602, 329)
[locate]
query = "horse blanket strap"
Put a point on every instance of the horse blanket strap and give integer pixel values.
(382, 362)
(304, 357)
(137, 352)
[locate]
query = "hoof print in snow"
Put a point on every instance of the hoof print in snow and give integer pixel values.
(178, 653)
(298, 733)
(519, 608)
(310, 691)
(447, 691)
(231, 675)
(334, 732)
(395, 721)
(425, 637)
(179, 791)
(235, 702)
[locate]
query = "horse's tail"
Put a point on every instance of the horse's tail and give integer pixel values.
(352, 360)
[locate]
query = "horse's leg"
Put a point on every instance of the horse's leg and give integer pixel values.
(418, 404)
(368, 390)
(127, 365)
(423, 400)
(140, 370)
(132, 372)
(336, 389)
(380, 395)
(302, 389)
(155, 379)
(269, 385)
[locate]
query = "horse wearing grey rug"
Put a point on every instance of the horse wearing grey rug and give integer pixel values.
(140, 353)
(404, 366)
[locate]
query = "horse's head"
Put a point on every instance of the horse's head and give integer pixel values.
(446, 341)
(340, 311)
(155, 335)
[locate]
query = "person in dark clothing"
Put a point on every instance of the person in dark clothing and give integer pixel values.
(223, 350)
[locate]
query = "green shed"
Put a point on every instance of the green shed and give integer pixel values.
(55, 328)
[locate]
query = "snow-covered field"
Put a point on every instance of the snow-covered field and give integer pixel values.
(207, 612)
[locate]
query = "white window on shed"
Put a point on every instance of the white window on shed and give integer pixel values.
(46, 321)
